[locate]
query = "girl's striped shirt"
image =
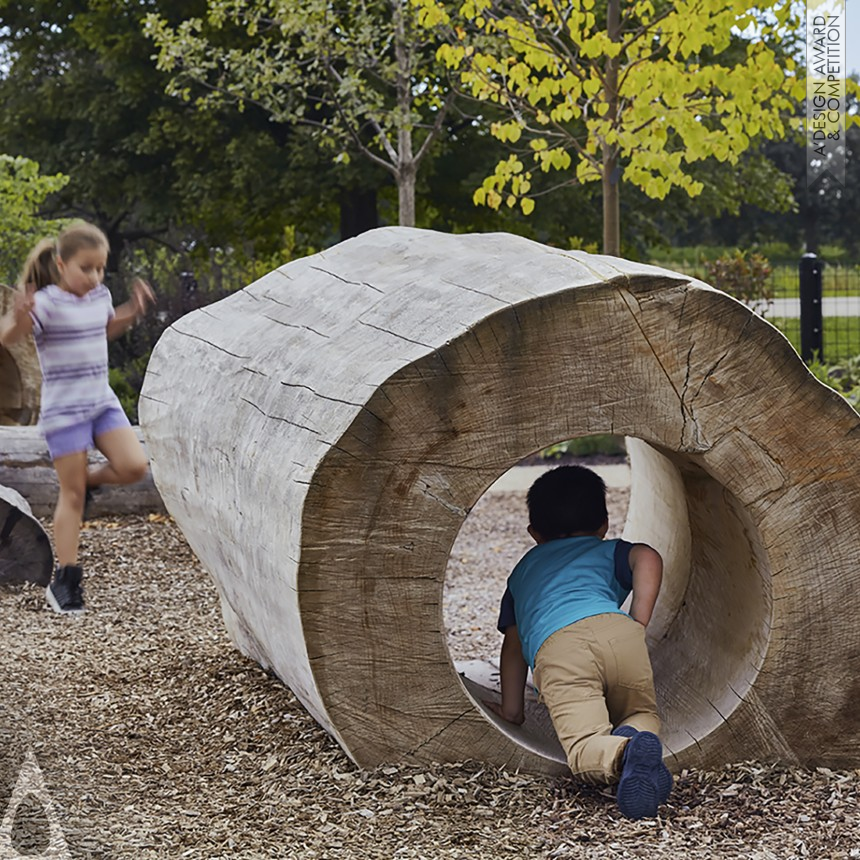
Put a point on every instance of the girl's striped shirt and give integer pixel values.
(71, 338)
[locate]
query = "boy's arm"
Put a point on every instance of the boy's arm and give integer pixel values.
(17, 323)
(647, 566)
(514, 672)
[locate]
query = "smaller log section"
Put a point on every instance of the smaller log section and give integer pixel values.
(20, 376)
(25, 551)
(26, 467)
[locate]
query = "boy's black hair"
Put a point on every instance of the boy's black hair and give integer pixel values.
(565, 500)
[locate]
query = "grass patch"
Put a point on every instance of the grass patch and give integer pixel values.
(841, 277)
(841, 336)
(839, 281)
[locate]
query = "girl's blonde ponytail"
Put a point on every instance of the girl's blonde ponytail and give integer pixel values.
(40, 268)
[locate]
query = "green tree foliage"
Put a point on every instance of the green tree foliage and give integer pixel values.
(820, 217)
(639, 94)
(362, 76)
(824, 214)
(74, 96)
(81, 94)
(23, 190)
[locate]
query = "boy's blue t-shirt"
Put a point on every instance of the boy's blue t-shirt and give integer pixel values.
(561, 582)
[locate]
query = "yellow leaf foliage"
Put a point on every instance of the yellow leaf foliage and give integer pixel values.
(674, 108)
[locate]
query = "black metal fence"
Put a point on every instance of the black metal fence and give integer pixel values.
(816, 304)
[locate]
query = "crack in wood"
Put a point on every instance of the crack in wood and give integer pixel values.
(687, 416)
(454, 509)
(435, 735)
(503, 302)
(395, 334)
(345, 281)
(269, 297)
(279, 418)
(321, 396)
(627, 297)
(373, 415)
(208, 343)
(295, 325)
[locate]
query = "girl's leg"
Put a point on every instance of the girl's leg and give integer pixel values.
(126, 461)
(72, 475)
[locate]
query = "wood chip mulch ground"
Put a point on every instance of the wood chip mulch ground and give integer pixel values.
(156, 739)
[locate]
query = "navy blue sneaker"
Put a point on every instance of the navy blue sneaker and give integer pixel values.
(643, 777)
(625, 731)
(664, 776)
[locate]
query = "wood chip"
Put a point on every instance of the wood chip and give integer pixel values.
(157, 739)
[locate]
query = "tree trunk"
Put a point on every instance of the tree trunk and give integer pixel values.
(321, 435)
(26, 467)
(406, 194)
(407, 167)
(611, 173)
(611, 204)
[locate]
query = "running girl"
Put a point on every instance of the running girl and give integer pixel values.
(62, 301)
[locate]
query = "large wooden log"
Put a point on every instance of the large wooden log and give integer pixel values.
(26, 467)
(20, 376)
(321, 435)
(25, 551)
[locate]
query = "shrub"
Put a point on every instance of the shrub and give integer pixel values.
(780, 251)
(746, 276)
(586, 446)
(843, 377)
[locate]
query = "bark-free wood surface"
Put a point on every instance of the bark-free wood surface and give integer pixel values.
(320, 436)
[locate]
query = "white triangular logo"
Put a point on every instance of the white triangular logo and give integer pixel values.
(31, 781)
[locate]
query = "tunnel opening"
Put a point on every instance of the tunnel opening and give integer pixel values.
(710, 628)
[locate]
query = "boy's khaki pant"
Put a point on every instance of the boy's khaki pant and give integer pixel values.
(595, 675)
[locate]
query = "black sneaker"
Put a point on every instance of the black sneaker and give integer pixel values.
(65, 593)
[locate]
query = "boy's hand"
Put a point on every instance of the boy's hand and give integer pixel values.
(496, 708)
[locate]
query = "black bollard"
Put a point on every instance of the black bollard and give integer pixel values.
(811, 323)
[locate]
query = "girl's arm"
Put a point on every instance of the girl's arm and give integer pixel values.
(128, 313)
(647, 566)
(18, 323)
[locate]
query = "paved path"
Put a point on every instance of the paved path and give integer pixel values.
(831, 306)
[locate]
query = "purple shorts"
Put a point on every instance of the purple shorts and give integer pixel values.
(81, 437)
